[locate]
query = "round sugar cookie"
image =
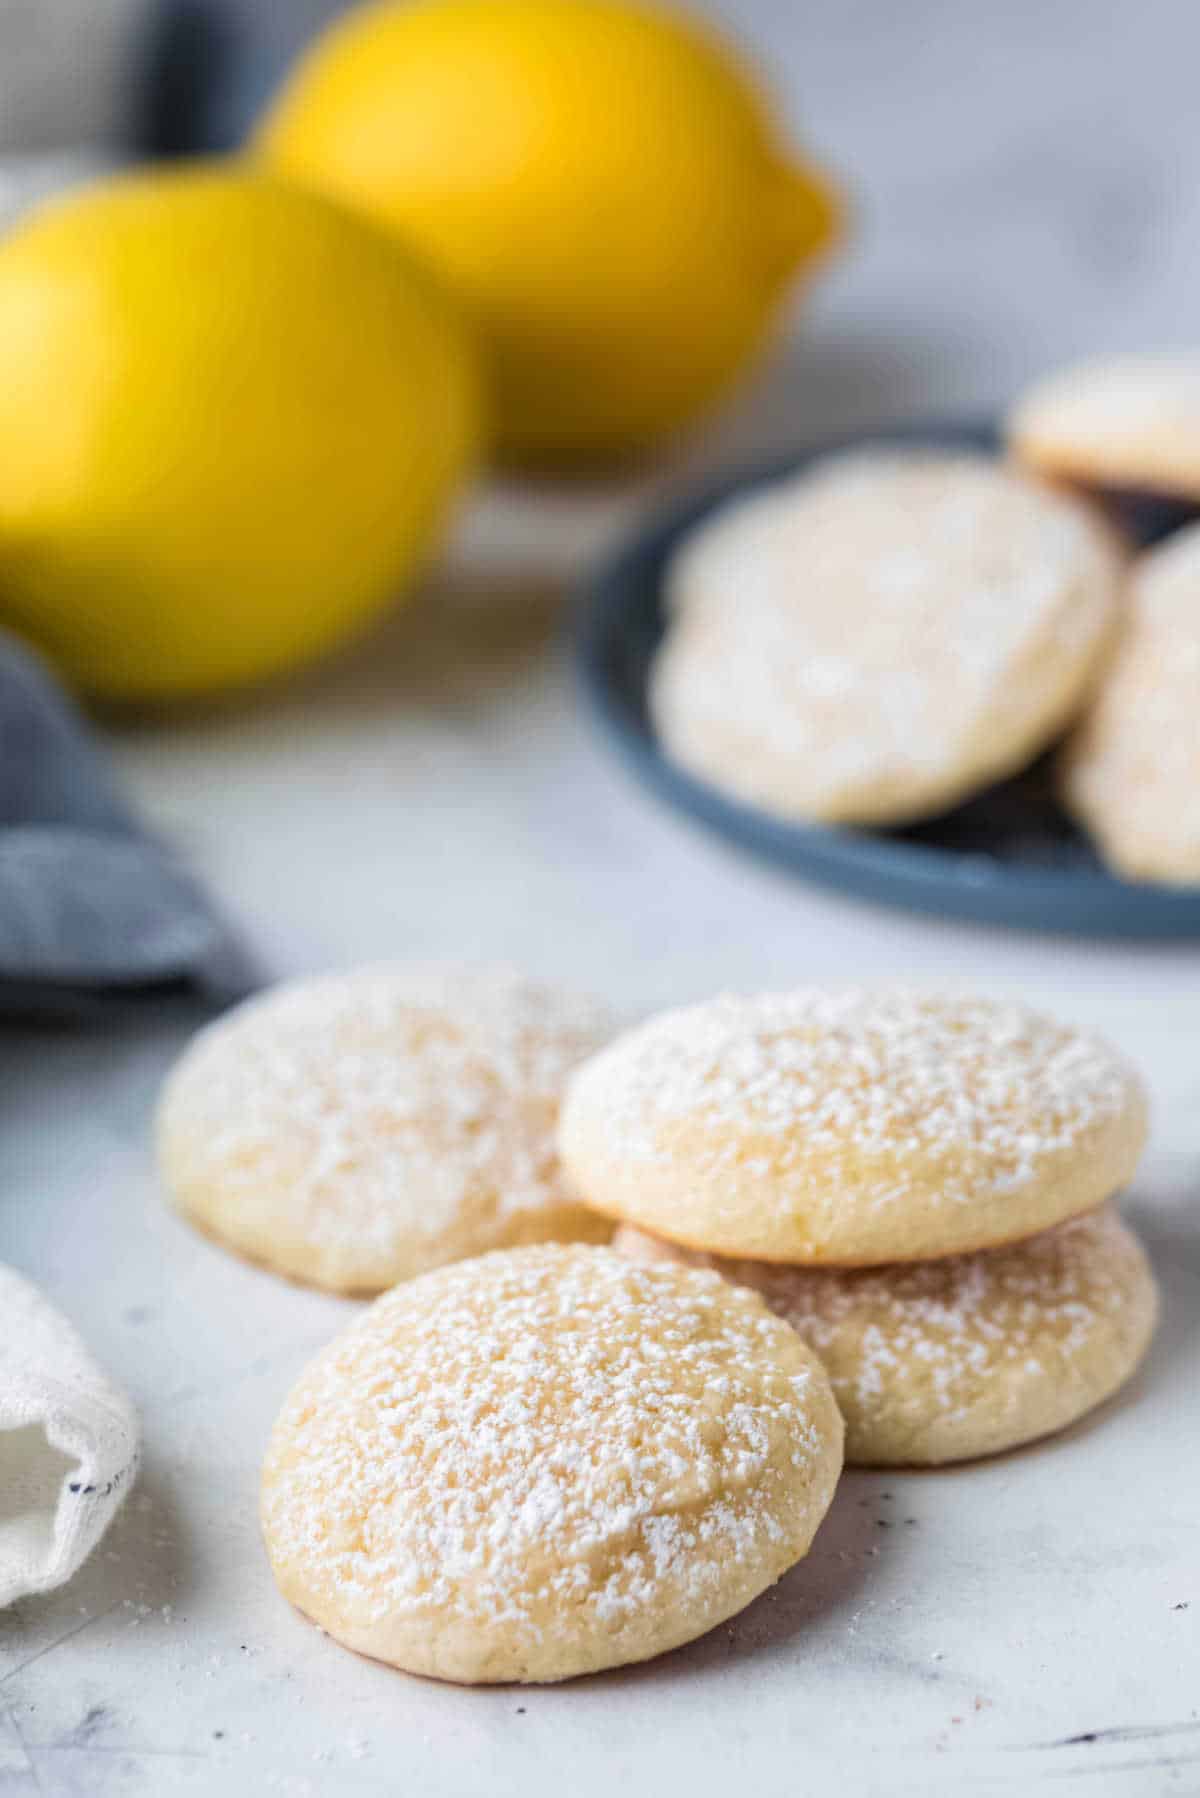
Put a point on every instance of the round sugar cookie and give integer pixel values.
(1126, 422)
(851, 1126)
(1130, 771)
(872, 641)
(547, 1461)
(355, 1129)
(935, 1361)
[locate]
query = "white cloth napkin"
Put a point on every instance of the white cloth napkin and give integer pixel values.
(68, 1444)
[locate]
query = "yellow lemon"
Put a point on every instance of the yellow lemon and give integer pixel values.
(231, 418)
(603, 184)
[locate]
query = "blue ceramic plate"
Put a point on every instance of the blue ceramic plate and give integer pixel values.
(1008, 856)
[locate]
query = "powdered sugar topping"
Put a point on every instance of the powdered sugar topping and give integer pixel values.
(545, 1435)
(843, 641)
(1133, 764)
(882, 1086)
(386, 1102)
(937, 1332)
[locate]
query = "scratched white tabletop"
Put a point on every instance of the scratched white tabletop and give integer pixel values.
(1030, 188)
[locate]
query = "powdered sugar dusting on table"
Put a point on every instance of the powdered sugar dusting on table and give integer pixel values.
(892, 1079)
(544, 1432)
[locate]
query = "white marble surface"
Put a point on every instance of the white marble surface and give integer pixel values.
(1030, 181)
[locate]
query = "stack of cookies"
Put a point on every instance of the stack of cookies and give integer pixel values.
(861, 1224)
(918, 1184)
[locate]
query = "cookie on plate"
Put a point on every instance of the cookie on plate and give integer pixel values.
(851, 1126)
(547, 1461)
(355, 1129)
(937, 1361)
(877, 638)
(1123, 423)
(1131, 769)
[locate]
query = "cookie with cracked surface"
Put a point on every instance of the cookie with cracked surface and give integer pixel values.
(851, 1126)
(545, 1462)
(939, 1361)
(355, 1129)
(882, 635)
(1130, 771)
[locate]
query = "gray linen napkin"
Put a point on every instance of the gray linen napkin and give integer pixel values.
(94, 914)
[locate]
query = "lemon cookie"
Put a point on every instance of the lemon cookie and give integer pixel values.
(935, 1361)
(1131, 770)
(1125, 422)
(851, 1126)
(872, 641)
(356, 1129)
(547, 1461)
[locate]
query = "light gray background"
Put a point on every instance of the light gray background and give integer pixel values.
(1026, 178)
